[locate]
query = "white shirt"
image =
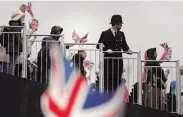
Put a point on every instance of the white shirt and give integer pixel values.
(113, 31)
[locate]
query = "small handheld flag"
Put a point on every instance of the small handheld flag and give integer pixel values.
(29, 9)
(34, 23)
(77, 38)
(88, 64)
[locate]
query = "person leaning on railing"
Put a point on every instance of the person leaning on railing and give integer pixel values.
(113, 40)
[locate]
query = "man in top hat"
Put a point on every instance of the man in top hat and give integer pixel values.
(43, 59)
(113, 40)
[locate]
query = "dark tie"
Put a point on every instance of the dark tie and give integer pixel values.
(115, 34)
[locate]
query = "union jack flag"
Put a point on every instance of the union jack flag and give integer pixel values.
(84, 39)
(29, 9)
(167, 52)
(34, 24)
(77, 38)
(68, 94)
(88, 64)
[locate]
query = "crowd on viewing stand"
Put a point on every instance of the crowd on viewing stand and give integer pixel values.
(153, 89)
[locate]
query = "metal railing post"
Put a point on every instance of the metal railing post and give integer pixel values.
(24, 66)
(178, 87)
(139, 75)
(62, 44)
(101, 70)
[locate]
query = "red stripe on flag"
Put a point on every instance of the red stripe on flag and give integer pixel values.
(67, 111)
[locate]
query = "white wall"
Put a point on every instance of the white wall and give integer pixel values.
(146, 24)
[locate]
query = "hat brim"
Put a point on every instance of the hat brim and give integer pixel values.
(18, 17)
(120, 23)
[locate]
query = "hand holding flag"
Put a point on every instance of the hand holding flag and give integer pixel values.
(34, 23)
(29, 9)
(167, 52)
(23, 8)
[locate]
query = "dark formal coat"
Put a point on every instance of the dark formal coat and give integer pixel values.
(113, 63)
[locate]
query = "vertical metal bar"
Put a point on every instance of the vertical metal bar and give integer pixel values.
(133, 71)
(36, 63)
(112, 76)
(101, 79)
(178, 87)
(139, 74)
(63, 47)
(24, 66)
(47, 56)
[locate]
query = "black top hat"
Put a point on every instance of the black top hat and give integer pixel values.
(56, 30)
(116, 19)
(11, 22)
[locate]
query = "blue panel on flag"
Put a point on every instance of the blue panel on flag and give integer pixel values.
(96, 98)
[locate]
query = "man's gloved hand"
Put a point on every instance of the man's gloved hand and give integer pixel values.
(181, 93)
(109, 51)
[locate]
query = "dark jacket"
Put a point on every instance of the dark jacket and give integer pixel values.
(154, 71)
(43, 60)
(78, 63)
(12, 41)
(116, 43)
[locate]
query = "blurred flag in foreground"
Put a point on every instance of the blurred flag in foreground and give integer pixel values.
(68, 94)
